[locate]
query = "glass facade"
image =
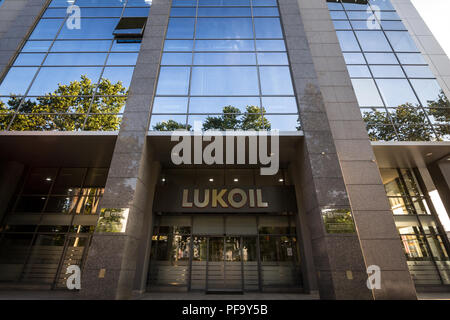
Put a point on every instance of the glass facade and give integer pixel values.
(49, 224)
(399, 96)
(424, 242)
(72, 74)
(225, 64)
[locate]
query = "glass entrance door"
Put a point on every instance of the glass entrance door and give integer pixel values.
(224, 267)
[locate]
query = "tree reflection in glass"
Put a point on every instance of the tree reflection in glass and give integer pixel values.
(67, 108)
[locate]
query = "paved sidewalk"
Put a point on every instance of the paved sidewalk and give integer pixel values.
(66, 295)
(246, 296)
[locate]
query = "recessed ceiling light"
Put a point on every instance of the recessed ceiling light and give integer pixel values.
(280, 180)
(429, 154)
(48, 179)
(211, 179)
(163, 179)
(235, 179)
(70, 190)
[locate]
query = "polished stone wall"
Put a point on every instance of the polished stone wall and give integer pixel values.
(378, 237)
(131, 178)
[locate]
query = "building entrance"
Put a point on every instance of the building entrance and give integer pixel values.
(214, 253)
(231, 264)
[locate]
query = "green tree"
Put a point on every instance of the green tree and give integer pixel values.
(411, 122)
(66, 108)
(233, 119)
(170, 125)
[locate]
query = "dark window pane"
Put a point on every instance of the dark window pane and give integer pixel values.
(30, 204)
(39, 181)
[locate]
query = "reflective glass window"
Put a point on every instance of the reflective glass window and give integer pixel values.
(359, 71)
(401, 41)
(411, 58)
(396, 92)
(366, 93)
(173, 80)
(224, 28)
(418, 72)
(354, 58)
(387, 72)
(180, 28)
(348, 41)
(176, 59)
(428, 90)
(239, 60)
(224, 45)
(373, 41)
(276, 81)
(381, 58)
(224, 80)
(268, 28)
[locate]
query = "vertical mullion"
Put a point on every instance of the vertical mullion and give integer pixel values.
(192, 64)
